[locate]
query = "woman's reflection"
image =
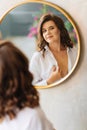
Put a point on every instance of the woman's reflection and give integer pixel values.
(57, 53)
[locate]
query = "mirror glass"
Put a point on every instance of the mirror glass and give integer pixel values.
(19, 25)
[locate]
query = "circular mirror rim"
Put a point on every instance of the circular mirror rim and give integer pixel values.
(70, 20)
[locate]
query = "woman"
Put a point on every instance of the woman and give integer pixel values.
(56, 54)
(19, 100)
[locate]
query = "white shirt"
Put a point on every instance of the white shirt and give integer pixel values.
(41, 66)
(27, 119)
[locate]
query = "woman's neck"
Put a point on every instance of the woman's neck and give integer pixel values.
(57, 47)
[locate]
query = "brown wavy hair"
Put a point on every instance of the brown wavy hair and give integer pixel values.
(64, 35)
(16, 89)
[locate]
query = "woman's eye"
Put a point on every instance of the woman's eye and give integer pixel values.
(43, 31)
(51, 27)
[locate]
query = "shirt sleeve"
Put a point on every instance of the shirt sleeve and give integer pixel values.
(39, 122)
(72, 56)
(35, 69)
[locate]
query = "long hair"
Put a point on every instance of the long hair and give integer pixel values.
(64, 35)
(16, 89)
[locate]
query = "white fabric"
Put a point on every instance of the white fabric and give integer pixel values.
(41, 66)
(27, 119)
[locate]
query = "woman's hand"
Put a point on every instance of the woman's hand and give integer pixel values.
(55, 75)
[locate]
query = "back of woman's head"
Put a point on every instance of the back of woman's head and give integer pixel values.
(64, 35)
(16, 89)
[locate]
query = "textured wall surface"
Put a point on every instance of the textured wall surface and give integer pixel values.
(66, 104)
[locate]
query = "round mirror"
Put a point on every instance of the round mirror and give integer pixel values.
(19, 25)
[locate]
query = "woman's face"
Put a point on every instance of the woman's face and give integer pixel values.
(50, 32)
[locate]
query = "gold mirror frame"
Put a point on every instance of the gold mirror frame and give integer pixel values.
(72, 23)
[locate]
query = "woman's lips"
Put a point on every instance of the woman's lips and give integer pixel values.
(48, 37)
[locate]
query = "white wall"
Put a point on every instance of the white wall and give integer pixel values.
(66, 104)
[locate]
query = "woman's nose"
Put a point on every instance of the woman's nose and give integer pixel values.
(48, 31)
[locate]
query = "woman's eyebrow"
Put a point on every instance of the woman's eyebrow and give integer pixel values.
(48, 27)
